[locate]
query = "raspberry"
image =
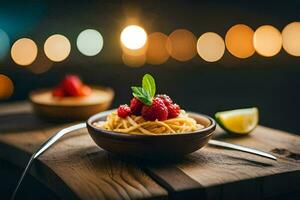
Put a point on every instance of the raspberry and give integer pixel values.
(157, 110)
(85, 90)
(136, 106)
(166, 99)
(58, 92)
(123, 111)
(72, 85)
(173, 110)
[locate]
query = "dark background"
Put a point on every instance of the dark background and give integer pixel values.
(271, 84)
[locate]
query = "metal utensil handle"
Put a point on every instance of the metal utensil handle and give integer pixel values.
(43, 148)
(241, 148)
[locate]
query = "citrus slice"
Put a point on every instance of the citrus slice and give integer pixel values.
(240, 121)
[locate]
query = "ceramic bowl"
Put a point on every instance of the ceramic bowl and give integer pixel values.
(152, 146)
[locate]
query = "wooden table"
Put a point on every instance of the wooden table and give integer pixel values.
(75, 168)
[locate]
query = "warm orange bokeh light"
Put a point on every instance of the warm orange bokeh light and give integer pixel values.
(57, 47)
(133, 37)
(181, 45)
(210, 47)
(291, 38)
(134, 61)
(24, 51)
(267, 41)
(6, 87)
(239, 41)
(134, 45)
(135, 52)
(157, 52)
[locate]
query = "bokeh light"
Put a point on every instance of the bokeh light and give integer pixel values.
(291, 38)
(181, 45)
(134, 61)
(57, 48)
(239, 41)
(4, 44)
(267, 40)
(210, 47)
(135, 52)
(157, 52)
(6, 87)
(89, 42)
(133, 37)
(24, 51)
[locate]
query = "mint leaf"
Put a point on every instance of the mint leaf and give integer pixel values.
(148, 84)
(142, 94)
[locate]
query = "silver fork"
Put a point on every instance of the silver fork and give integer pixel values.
(43, 148)
(48, 143)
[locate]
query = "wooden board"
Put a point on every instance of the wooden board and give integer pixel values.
(76, 168)
(215, 173)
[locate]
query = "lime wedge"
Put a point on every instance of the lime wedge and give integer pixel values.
(240, 121)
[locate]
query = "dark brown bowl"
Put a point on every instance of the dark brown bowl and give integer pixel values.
(152, 146)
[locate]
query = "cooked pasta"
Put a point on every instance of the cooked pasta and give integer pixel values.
(138, 125)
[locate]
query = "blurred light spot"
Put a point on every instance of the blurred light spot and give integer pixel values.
(6, 87)
(90, 42)
(210, 47)
(181, 45)
(24, 51)
(134, 61)
(41, 65)
(267, 41)
(135, 52)
(239, 41)
(291, 38)
(4, 44)
(157, 52)
(57, 47)
(133, 37)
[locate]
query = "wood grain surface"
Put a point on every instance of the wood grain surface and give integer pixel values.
(228, 174)
(76, 168)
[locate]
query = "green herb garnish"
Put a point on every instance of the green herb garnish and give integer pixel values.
(145, 93)
(148, 84)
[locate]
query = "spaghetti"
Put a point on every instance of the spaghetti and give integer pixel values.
(138, 125)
